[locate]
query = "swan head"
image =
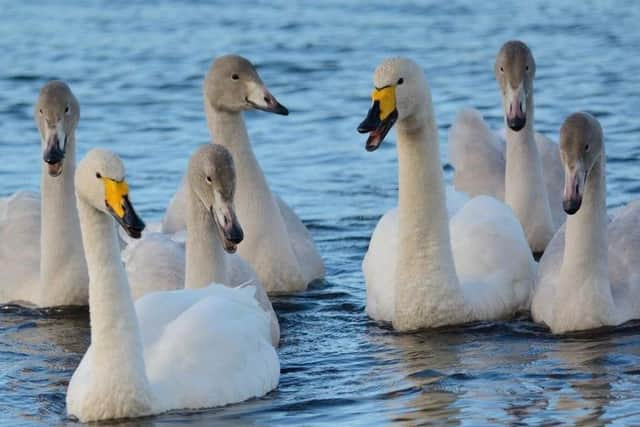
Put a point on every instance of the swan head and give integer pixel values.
(56, 114)
(581, 147)
(212, 178)
(515, 69)
(400, 91)
(233, 84)
(100, 182)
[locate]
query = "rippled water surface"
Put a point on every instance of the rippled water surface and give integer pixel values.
(137, 70)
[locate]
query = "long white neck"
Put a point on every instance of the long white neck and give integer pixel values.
(584, 272)
(116, 343)
(228, 129)
(425, 276)
(63, 270)
(525, 189)
(257, 210)
(206, 260)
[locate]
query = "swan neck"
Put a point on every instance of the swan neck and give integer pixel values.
(525, 188)
(253, 193)
(257, 208)
(228, 128)
(423, 218)
(586, 246)
(62, 262)
(425, 270)
(115, 334)
(206, 260)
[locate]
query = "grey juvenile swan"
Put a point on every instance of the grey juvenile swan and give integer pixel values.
(525, 170)
(277, 246)
(589, 275)
(40, 243)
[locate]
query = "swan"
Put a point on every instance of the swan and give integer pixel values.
(278, 246)
(40, 243)
(185, 349)
(420, 271)
(527, 172)
(589, 276)
(156, 262)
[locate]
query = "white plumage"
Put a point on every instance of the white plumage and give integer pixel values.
(422, 270)
(184, 349)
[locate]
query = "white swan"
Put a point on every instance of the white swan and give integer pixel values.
(40, 244)
(589, 275)
(409, 268)
(278, 246)
(157, 263)
(183, 349)
(527, 173)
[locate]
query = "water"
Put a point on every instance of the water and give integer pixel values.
(137, 71)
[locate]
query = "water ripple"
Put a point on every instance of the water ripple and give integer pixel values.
(137, 70)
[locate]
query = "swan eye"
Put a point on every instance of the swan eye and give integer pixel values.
(502, 69)
(41, 111)
(98, 175)
(209, 180)
(400, 80)
(235, 76)
(587, 148)
(66, 110)
(526, 68)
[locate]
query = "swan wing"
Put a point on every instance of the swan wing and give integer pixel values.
(174, 217)
(624, 259)
(477, 155)
(304, 248)
(20, 247)
(547, 279)
(242, 274)
(379, 265)
(494, 264)
(154, 263)
(207, 347)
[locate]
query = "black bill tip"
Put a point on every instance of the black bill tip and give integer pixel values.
(53, 153)
(516, 123)
(372, 121)
(280, 109)
(130, 221)
(377, 129)
(571, 206)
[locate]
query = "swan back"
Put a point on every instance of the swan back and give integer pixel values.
(224, 353)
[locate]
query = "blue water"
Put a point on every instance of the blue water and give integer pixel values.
(137, 70)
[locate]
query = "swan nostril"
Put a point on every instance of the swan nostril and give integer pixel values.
(226, 221)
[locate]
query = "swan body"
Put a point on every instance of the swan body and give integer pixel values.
(184, 349)
(278, 246)
(40, 243)
(422, 270)
(522, 167)
(158, 262)
(589, 276)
